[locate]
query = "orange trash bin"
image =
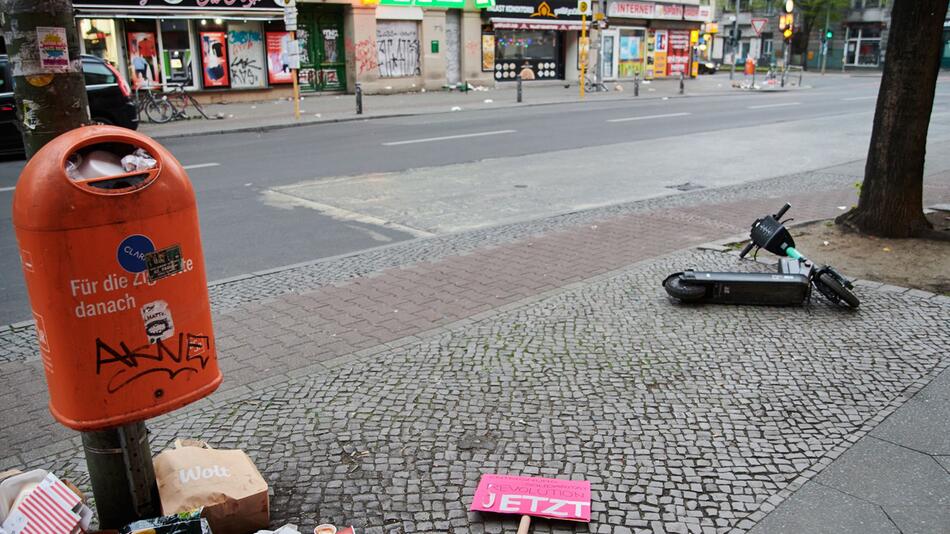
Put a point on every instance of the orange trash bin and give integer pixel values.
(115, 273)
(749, 66)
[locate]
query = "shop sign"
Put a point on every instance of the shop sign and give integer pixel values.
(481, 4)
(668, 12)
(633, 10)
(182, 4)
(543, 10)
(504, 25)
(697, 13)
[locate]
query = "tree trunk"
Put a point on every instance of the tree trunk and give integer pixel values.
(48, 85)
(891, 202)
(805, 40)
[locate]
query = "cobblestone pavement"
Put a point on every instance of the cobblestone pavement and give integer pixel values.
(684, 419)
(17, 342)
(349, 313)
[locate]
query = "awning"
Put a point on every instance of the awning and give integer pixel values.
(523, 24)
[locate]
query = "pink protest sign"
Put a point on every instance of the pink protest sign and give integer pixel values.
(538, 497)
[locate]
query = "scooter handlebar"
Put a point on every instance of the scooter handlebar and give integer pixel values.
(747, 249)
(782, 211)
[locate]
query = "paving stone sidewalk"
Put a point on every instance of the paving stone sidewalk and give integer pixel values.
(542, 354)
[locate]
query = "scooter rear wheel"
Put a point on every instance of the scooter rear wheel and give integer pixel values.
(829, 286)
(683, 291)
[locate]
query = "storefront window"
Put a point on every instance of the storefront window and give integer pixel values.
(539, 50)
(527, 44)
(142, 48)
(631, 53)
(864, 46)
(176, 52)
(246, 55)
(99, 39)
(398, 48)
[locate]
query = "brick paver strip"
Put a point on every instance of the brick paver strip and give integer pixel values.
(293, 331)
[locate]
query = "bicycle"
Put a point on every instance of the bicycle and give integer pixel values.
(180, 99)
(156, 107)
(790, 287)
(591, 85)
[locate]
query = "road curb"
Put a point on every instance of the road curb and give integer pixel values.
(272, 127)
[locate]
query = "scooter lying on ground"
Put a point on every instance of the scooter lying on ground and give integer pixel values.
(791, 286)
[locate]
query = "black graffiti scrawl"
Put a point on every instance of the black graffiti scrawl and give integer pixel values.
(190, 356)
(397, 45)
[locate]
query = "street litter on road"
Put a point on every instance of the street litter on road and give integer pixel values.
(225, 483)
(551, 498)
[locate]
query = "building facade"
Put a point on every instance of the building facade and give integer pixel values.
(655, 39)
(232, 50)
(859, 36)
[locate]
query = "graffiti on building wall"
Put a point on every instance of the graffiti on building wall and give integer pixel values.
(398, 48)
(364, 55)
(246, 50)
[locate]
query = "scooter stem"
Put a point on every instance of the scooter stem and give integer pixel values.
(794, 254)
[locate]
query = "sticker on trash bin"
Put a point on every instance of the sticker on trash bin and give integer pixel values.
(158, 321)
(163, 263)
(132, 251)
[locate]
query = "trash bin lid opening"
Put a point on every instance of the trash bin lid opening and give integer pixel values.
(111, 167)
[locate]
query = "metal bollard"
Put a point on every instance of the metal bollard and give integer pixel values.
(682, 84)
(800, 74)
(636, 84)
(519, 88)
(359, 99)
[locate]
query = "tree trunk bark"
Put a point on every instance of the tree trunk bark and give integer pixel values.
(48, 85)
(891, 201)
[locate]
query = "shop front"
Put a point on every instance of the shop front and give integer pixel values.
(650, 40)
(533, 34)
(228, 49)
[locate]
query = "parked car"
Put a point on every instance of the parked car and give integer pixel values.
(110, 100)
(708, 67)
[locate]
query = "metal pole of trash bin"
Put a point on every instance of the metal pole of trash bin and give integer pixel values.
(682, 84)
(122, 475)
(519, 87)
(636, 84)
(359, 99)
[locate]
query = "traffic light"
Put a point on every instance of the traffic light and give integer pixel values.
(785, 23)
(829, 34)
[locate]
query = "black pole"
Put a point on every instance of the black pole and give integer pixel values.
(359, 99)
(122, 475)
(519, 88)
(682, 84)
(636, 84)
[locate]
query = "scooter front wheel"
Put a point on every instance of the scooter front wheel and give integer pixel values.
(682, 290)
(829, 286)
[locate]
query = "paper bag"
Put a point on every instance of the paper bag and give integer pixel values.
(224, 482)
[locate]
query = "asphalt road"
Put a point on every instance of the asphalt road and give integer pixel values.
(242, 233)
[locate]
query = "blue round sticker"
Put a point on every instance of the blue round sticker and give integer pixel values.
(132, 251)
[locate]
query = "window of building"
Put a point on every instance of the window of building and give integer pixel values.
(526, 44)
(99, 39)
(142, 53)
(864, 46)
(177, 57)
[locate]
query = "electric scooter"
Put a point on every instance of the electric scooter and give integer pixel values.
(790, 286)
